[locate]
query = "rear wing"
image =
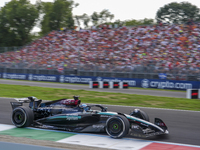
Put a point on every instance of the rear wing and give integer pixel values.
(26, 99)
(15, 104)
(33, 102)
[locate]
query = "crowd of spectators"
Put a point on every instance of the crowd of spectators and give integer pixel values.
(158, 48)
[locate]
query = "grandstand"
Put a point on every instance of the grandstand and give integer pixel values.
(136, 52)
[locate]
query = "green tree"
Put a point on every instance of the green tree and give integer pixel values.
(57, 15)
(116, 23)
(178, 13)
(134, 22)
(46, 8)
(86, 19)
(78, 19)
(95, 18)
(101, 18)
(7, 37)
(17, 19)
(105, 16)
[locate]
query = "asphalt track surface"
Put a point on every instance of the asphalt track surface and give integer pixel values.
(184, 126)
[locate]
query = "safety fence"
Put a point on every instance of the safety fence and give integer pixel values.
(132, 82)
(115, 74)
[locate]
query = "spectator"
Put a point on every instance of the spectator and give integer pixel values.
(159, 48)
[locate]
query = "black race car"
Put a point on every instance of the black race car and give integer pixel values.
(71, 115)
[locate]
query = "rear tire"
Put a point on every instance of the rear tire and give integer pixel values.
(117, 126)
(22, 117)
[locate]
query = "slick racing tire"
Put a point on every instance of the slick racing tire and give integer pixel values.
(117, 126)
(22, 117)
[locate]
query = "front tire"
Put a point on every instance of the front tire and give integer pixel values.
(117, 126)
(22, 117)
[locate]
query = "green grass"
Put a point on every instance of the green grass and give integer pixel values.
(88, 84)
(18, 91)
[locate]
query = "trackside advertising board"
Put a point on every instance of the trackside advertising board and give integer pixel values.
(132, 82)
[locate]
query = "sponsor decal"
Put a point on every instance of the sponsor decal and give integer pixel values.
(130, 82)
(30, 77)
(98, 126)
(70, 110)
(68, 101)
(4, 75)
(73, 117)
(99, 78)
(162, 75)
(105, 116)
(14, 76)
(144, 124)
(62, 78)
(77, 80)
(43, 78)
(134, 126)
(145, 83)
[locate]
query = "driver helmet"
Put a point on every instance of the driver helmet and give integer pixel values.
(84, 107)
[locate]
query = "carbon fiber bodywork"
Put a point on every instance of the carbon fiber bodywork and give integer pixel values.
(71, 115)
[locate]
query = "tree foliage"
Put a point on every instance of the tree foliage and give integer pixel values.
(5, 32)
(85, 19)
(17, 19)
(178, 13)
(95, 18)
(46, 8)
(134, 22)
(57, 15)
(103, 17)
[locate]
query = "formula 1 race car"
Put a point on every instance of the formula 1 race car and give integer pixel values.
(71, 115)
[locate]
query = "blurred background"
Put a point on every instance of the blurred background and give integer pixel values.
(101, 38)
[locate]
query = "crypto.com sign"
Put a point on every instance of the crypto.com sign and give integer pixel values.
(179, 85)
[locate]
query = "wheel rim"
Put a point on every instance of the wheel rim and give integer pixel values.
(115, 127)
(18, 117)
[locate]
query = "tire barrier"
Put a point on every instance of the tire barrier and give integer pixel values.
(106, 84)
(114, 85)
(94, 84)
(193, 94)
(124, 85)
